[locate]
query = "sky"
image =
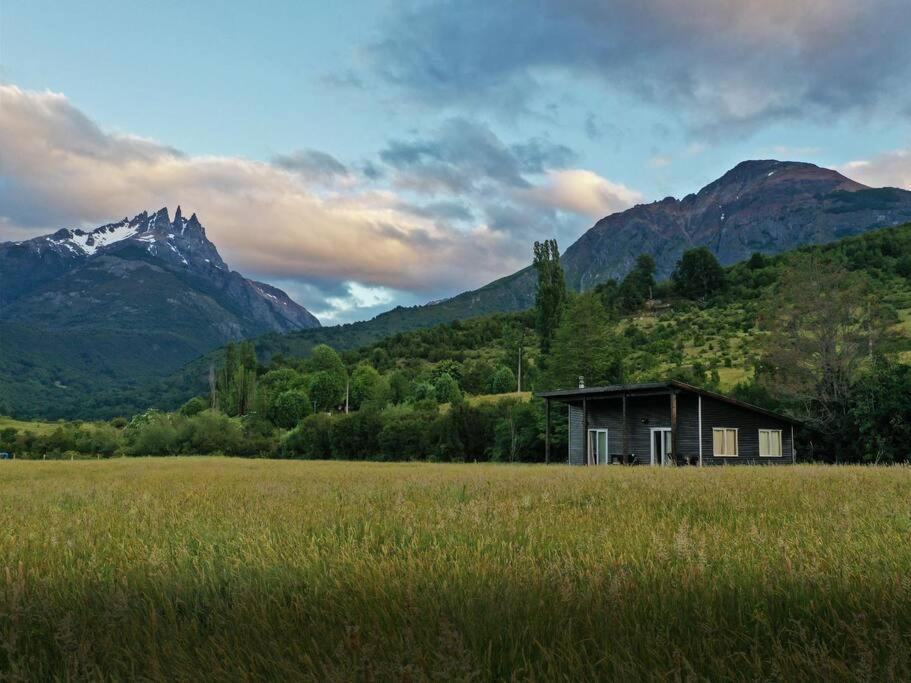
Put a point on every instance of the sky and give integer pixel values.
(363, 155)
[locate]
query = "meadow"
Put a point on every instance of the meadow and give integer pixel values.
(224, 568)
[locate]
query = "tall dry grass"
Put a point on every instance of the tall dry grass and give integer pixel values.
(176, 569)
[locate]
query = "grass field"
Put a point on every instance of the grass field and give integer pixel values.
(175, 569)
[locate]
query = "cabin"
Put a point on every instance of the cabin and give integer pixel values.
(670, 422)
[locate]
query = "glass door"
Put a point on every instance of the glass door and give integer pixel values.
(597, 447)
(661, 445)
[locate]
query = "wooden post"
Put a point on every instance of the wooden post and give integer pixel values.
(626, 453)
(674, 426)
(546, 431)
(585, 449)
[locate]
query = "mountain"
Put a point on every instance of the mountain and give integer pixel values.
(124, 303)
(764, 206)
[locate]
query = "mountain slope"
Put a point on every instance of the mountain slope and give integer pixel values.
(764, 206)
(121, 305)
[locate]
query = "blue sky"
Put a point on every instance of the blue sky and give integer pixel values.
(363, 155)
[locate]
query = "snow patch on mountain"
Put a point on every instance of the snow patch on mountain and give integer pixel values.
(90, 242)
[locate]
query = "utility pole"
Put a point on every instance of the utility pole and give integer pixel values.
(519, 374)
(347, 383)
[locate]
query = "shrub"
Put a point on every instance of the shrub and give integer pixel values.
(194, 406)
(310, 439)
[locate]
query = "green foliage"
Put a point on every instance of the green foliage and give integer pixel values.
(399, 387)
(585, 347)
(234, 385)
(447, 389)
(638, 285)
(698, 275)
(880, 415)
(366, 385)
(194, 406)
(518, 433)
(503, 381)
(405, 434)
(211, 432)
(153, 433)
(353, 436)
(550, 291)
(310, 439)
(476, 376)
(290, 407)
(327, 390)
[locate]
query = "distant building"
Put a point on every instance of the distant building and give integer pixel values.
(669, 422)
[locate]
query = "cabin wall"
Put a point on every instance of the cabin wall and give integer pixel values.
(655, 411)
(748, 423)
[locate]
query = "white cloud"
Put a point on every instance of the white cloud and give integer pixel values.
(583, 192)
(59, 168)
(890, 169)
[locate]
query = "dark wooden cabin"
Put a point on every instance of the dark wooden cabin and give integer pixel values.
(669, 423)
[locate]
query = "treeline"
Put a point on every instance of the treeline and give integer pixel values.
(509, 430)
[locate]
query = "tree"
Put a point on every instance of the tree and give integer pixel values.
(290, 407)
(323, 358)
(503, 381)
(365, 382)
(447, 389)
(823, 326)
(399, 387)
(234, 385)
(550, 293)
(476, 376)
(698, 275)
(638, 285)
(881, 414)
(327, 390)
(516, 434)
(583, 346)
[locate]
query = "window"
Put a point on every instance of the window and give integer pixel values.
(725, 441)
(770, 443)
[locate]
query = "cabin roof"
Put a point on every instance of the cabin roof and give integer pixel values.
(651, 388)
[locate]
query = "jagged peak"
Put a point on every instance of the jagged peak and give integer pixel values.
(178, 217)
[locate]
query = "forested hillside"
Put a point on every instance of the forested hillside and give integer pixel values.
(821, 332)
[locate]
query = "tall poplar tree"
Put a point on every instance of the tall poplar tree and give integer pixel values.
(550, 293)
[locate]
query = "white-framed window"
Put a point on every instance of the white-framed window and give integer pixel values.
(770, 443)
(724, 440)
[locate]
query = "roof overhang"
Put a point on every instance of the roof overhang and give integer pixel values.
(653, 389)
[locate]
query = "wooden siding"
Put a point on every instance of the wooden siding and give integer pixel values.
(646, 412)
(748, 423)
(576, 455)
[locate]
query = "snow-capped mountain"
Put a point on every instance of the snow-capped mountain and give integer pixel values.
(88, 313)
(53, 268)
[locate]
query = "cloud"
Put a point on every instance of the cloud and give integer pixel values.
(442, 213)
(890, 169)
(312, 164)
(462, 154)
(585, 193)
(719, 63)
(58, 168)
